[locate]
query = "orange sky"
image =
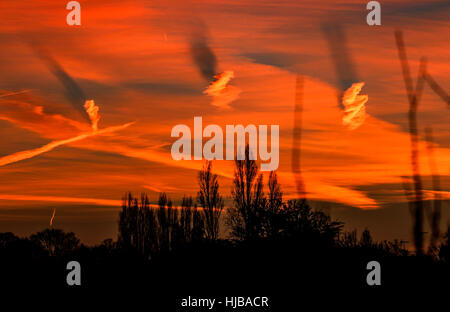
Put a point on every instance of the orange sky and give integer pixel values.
(132, 57)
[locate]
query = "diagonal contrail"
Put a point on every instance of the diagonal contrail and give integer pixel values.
(15, 93)
(52, 217)
(54, 144)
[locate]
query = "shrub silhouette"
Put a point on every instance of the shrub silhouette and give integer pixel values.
(300, 221)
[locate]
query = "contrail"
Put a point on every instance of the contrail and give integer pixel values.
(297, 136)
(437, 88)
(74, 93)
(350, 101)
(206, 61)
(435, 214)
(52, 217)
(340, 54)
(413, 98)
(15, 93)
(52, 145)
(202, 55)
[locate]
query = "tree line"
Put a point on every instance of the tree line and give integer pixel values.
(252, 216)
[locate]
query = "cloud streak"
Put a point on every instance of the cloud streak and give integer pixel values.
(61, 199)
(223, 94)
(6, 160)
(14, 93)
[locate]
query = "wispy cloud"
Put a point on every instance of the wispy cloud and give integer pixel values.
(223, 94)
(61, 199)
(9, 159)
(354, 106)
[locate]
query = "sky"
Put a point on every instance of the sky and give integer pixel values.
(147, 64)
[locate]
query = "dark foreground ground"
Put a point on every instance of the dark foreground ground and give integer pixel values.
(287, 272)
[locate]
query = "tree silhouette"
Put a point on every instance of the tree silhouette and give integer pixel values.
(186, 216)
(138, 228)
(165, 222)
(444, 248)
(56, 242)
(244, 217)
(300, 221)
(274, 203)
(348, 239)
(150, 231)
(127, 221)
(366, 239)
(198, 223)
(7, 239)
(192, 221)
(210, 200)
